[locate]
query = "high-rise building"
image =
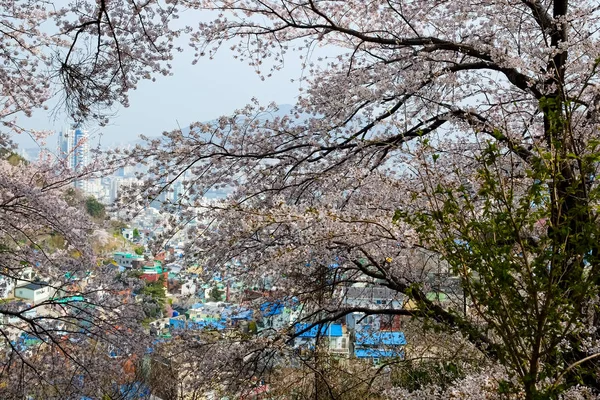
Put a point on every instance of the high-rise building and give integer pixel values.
(117, 185)
(74, 149)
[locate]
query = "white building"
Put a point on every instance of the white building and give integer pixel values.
(34, 292)
(97, 189)
(128, 260)
(117, 184)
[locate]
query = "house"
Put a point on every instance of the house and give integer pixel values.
(377, 297)
(237, 314)
(369, 344)
(127, 233)
(360, 321)
(278, 314)
(332, 335)
(177, 323)
(180, 323)
(153, 272)
(128, 260)
(273, 316)
(27, 312)
(207, 312)
(34, 292)
(189, 288)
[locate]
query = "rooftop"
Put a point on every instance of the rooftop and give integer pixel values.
(34, 286)
(269, 309)
(334, 330)
(128, 255)
(377, 353)
(380, 338)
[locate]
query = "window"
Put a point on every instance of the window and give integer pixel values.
(343, 343)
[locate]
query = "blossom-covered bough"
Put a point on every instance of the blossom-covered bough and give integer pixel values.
(461, 132)
(81, 339)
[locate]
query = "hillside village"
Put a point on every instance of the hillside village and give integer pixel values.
(179, 298)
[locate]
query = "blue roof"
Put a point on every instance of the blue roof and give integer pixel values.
(380, 338)
(378, 353)
(135, 390)
(205, 324)
(33, 286)
(62, 300)
(334, 330)
(269, 309)
(156, 341)
(237, 314)
(177, 323)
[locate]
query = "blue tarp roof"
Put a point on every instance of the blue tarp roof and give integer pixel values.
(237, 314)
(205, 324)
(177, 323)
(154, 342)
(246, 315)
(380, 338)
(136, 390)
(269, 309)
(334, 330)
(378, 353)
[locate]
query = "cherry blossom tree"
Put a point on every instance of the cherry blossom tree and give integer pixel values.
(87, 54)
(447, 141)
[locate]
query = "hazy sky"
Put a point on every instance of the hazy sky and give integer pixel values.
(198, 92)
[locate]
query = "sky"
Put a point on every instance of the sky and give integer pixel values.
(200, 92)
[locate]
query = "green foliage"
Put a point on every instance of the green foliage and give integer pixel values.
(139, 250)
(13, 158)
(252, 327)
(156, 290)
(155, 298)
(527, 254)
(94, 208)
(55, 242)
(135, 273)
(215, 294)
(136, 233)
(414, 375)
